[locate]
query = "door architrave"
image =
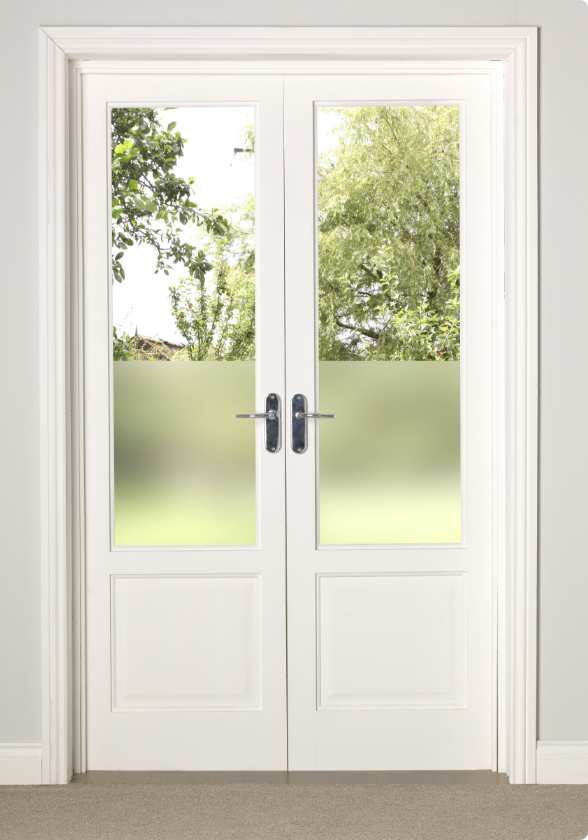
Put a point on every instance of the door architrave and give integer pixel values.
(65, 53)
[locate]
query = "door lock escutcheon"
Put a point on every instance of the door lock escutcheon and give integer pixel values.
(272, 416)
(300, 417)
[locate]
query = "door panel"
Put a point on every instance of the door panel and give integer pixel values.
(200, 640)
(390, 507)
(185, 506)
(391, 641)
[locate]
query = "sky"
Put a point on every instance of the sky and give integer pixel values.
(141, 301)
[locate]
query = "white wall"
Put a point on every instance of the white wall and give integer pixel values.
(564, 302)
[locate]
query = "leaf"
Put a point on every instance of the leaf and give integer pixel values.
(171, 126)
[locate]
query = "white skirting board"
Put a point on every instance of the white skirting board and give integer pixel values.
(562, 762)
(558, 763)
(20, 764)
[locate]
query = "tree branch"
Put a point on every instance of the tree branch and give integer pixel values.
(367, 332)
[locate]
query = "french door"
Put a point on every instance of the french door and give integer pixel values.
(186, 642)
(390, 508)
(312, 285)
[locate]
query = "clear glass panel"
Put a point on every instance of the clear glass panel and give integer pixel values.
(389, 296)
(183, 305)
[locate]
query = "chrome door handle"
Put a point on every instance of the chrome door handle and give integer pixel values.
(300, 415)
(310, 415)
(271, 415)
(266, 414)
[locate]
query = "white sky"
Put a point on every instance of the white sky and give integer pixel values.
(142, 300)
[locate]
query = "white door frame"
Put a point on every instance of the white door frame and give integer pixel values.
(67, 52)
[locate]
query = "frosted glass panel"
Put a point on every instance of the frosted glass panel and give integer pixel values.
(183, 321)
(390, 462)
(389, 324)
(184, 468)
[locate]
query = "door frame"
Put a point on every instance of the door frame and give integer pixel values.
(507, 54)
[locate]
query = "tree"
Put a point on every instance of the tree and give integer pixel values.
(388, 204)
(388, 237)
(149, 203)
(216, 314)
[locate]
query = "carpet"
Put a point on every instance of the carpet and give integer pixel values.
(293, 812)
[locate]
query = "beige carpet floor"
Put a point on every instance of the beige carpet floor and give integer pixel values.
(293, 812)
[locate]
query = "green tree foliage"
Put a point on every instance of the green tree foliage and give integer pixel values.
(388, 200)
(149, 203)
(122, 346)
(215, 314)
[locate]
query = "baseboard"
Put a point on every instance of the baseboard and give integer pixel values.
(558, 763)
(562, 762)
(20, 764)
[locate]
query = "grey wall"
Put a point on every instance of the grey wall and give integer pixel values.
(564, 302)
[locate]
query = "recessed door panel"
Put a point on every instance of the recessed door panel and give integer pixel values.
(391, 641)
(186, 643)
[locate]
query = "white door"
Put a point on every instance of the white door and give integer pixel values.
(390, 507)
(185, 533)
(384, 573)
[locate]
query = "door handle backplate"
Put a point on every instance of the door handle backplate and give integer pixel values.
(300, 417)
(272, 417)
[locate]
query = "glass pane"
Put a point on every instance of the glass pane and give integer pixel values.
(183, 326)
(389, 297)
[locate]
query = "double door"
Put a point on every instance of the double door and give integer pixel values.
(288, 591)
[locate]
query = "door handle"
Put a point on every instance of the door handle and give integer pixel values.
(310, 416)
(300, 416)
(271, 415)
